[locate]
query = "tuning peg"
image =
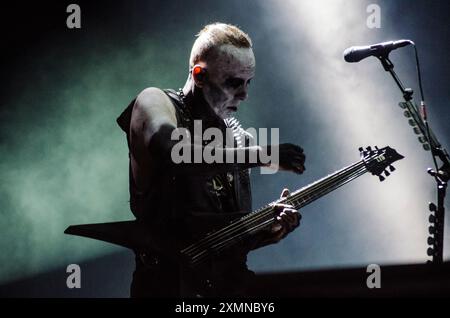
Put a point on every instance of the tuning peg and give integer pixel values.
(412, 123)
(417, 131)
(402, 105)
(432, 218)
(381, 178)
(376, 147)
(430, 240)
(369, 148)
(422, 139)
(386, 173)
(426, 147)
(361, 149)
(391, 168)
(431, 172)
(407, 114)
(430, 251)
(431, 230)
(432, 207)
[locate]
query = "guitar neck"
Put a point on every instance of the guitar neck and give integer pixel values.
(260, 219)
(318, 189)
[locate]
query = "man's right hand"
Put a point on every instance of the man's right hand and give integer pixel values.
(290, 157)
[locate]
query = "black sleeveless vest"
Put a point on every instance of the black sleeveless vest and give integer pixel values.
(183, 208)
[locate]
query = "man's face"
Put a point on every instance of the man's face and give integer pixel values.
(229, 71)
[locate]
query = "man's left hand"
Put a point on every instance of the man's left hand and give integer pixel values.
(287, 220)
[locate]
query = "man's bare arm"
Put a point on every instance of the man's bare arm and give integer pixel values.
(153, 121)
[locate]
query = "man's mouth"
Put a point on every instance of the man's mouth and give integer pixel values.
(232, 108)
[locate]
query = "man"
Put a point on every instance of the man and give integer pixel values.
(180, 203)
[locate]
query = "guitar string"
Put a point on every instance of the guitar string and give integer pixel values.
(231, 241)
(215, 243)
(240, 236)
(260, 213)
(268, 209)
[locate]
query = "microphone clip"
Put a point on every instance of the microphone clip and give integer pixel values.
(389, 67)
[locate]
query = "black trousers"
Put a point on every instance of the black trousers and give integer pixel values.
(156, 277)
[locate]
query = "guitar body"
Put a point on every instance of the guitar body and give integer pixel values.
(224, 273)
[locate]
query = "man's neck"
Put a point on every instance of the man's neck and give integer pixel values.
(197, 103)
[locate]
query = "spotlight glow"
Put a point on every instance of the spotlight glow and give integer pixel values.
(356, 104)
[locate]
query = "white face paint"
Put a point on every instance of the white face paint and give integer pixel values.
(229, 71)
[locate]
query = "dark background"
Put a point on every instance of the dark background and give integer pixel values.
(63, 160)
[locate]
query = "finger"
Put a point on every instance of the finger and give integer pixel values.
(279, 208)
(297, 217)
(289, 216)
(297, 148)
(278, 236)
(293, 218)
(292, 224)
(290, 210)
(300, 168)
(299, 160)
(276, 227)
(284, 206)
(293, 212)
(298, 164)
(284, 193)
(282, 220)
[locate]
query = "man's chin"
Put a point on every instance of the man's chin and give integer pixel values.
(229, 113)
(226, 113)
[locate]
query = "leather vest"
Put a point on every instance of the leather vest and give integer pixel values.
(183, 208)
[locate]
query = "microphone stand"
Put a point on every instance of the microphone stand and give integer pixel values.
(441, 175)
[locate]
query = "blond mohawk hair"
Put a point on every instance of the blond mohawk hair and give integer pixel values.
(213, 36)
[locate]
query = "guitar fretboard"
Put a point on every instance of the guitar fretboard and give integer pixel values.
(214, 243)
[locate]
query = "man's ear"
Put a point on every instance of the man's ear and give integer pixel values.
(198, 74)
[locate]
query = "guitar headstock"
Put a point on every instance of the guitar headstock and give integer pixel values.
(378, 161)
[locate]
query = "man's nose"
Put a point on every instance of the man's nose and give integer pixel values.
(242, 94)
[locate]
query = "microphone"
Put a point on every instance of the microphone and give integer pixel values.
(357, 53)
